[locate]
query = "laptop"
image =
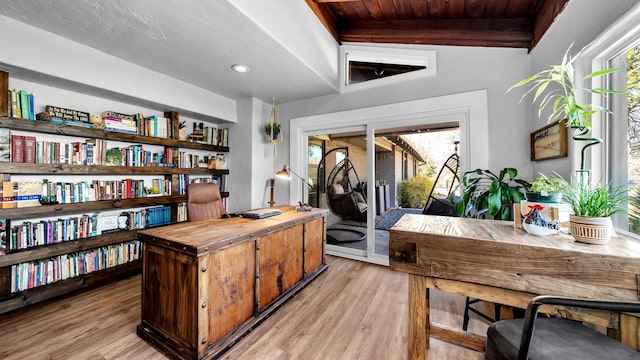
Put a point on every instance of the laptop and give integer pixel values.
(259, 213)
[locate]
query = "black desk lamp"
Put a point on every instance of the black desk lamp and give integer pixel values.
(285, 173)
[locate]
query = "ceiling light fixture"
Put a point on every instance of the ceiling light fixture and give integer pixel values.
(240, 68)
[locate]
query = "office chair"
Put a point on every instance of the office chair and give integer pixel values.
(555, 338)
(204, 202)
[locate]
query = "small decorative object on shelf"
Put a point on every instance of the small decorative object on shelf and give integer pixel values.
(97, 121)
(43, 116)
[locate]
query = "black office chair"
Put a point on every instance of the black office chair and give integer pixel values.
(545, 338)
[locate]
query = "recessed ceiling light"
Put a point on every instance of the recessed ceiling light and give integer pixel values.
(240, 68)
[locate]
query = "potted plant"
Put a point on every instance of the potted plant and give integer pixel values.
(592, 208)
(484, 191)
(272, 129)
(544, 189)
(556, 88)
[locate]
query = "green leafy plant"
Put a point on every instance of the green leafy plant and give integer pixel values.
(414, 191)
(598, 201)
(484, 190)
(545, 186)
(114, 157)
(272, 128)
(556, 88)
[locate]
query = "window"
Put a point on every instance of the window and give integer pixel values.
(618, 161)
(363, 67)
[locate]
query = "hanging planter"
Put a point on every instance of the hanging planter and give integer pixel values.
(273, 128)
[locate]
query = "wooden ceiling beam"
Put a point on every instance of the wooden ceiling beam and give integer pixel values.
(468, 32)
(326, 17)
(548, 11)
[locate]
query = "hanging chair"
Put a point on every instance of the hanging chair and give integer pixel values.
(447, 178)
(345, 196)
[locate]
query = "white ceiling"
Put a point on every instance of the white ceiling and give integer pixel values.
(290, 54)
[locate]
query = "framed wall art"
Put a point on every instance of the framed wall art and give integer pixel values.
(549, 142)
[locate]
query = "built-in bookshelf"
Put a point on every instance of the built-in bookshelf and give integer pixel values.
(68, 250)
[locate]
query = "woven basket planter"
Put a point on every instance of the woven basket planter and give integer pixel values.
(591, 230)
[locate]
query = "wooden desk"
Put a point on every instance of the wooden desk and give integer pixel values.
(491, 260)
(206, 284)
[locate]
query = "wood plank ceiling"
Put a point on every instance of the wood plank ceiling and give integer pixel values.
(489, 23)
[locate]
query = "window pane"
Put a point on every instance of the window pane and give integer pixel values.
(624, 137)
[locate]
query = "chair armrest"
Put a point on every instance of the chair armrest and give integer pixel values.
(536, 302)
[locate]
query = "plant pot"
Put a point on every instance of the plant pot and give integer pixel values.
(550, 198)
(591, 230)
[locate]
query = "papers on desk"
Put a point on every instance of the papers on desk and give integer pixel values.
(259, 213)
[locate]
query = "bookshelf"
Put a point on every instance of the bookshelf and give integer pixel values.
(13, 300)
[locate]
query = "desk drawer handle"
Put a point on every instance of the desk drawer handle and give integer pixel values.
(204, 269)
(204, 304)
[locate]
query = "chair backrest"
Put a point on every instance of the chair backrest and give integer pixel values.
(204, 202)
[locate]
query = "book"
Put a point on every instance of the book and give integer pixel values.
(29, 155)
(5, 145)
(32, 115)
(8, 194)
(24, 104)
(17, 148)
(14, 103)
(4, 90)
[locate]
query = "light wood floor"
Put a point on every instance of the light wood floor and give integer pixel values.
(354, 310)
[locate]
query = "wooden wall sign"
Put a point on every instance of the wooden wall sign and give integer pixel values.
(549, 142)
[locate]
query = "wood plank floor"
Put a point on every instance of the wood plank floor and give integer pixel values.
(354, 310)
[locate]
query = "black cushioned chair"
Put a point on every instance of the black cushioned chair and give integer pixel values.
(545, 338)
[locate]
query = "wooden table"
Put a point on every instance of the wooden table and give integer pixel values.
(206, 284)
(491, 260)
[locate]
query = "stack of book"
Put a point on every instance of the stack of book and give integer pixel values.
(20, 194)
(115, 121)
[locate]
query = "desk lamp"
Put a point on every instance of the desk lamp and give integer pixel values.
(285, 173)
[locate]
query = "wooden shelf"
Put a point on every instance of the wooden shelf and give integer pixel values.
(8, 301)
(58, 288)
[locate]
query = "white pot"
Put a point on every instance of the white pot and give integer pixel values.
(591, 230)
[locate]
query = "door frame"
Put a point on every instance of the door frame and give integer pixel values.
(469, 109)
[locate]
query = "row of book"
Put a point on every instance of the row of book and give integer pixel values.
(31, 234)
(97, 190)
(209, 135)
(29, 193)
(21, 104)
(46, 271)
(184, 180)
(27, 149)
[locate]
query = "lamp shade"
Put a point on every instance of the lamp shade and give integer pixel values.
(284, 173)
